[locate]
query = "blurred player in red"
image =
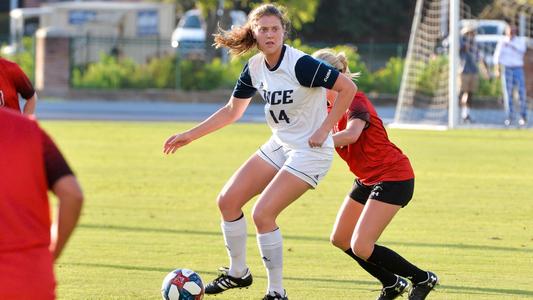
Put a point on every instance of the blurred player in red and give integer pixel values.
(30, 164)
(384, 184)
(13, 82)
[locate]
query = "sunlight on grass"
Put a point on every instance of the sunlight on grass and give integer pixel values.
(147, 213)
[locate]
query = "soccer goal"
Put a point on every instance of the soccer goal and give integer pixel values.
(429, 92)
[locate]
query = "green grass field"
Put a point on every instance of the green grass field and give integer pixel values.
(471, 219)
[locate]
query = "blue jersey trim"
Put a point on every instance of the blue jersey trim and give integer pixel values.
(279, 60)
(313, 73)
(244, 88)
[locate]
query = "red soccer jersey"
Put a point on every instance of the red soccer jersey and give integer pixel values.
(13, 82)
(373, 157)
(29, 163)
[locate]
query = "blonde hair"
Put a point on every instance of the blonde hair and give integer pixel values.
(240, 39)
(337, 60)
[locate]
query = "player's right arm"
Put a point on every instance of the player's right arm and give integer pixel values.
(231, 112)
(351, 134)
(228, 114)
(358, 120)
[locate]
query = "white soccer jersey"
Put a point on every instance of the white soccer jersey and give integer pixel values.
(294, 94)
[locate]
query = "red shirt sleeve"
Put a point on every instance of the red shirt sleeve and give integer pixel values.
(22, 83)
(54, 162)
(358, 108)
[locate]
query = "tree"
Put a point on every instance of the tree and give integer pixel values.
(355, 21)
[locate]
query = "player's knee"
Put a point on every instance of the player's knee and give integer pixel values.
(339, 241)
(224, 203)
(362, 248)
(263, 221)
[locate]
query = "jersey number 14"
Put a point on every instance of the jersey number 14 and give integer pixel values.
(281, 117)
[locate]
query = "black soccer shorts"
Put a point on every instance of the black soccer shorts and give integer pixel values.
(392, 192)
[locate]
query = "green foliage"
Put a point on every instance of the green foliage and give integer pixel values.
(430, 77)
(361, 21)
(109, 73)
(365, 82)
(300, 12)
(112, 73)
(489, 87)
(25, 59)
(162, 72)
(355, 64)
(388, 79)
(198, 75)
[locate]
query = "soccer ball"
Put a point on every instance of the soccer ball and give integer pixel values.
(182, 284)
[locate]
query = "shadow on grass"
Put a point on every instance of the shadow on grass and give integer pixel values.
(453, 289)
(211, 273)
(447, 288)
(301, 238)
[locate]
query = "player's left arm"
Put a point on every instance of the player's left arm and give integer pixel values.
(25, 88)
(65, 186)
(313, 73)
(346, 90)
(351, 134)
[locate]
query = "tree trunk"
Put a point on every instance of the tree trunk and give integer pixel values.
(212, 21)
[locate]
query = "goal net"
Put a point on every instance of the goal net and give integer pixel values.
(429, 92)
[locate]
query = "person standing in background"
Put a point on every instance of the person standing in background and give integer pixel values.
(509, 56)
(13, 82)
(471, 62)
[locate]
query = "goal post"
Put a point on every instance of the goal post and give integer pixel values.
(453, 94)
(429, 90)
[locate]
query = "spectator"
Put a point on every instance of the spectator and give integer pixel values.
(509, 54)
(13, 82)
(31, 164)
(469, 70)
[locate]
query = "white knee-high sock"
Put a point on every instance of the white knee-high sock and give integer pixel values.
(235, 240)
(271, 247)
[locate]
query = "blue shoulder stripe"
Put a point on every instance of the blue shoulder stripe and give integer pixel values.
(313, 73)
(244, 88)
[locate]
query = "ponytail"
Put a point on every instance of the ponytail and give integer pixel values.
(337, 60)
(240, 39)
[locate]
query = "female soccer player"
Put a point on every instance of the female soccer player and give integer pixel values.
(13, 82)
(30, 242)
(294, 159)
(384, 184)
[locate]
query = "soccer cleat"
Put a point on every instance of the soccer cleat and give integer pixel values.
(276, 296)
(225, 282)
(395, 290)
(422, 289)
(467, 120)
(507, 122)
(522, 122)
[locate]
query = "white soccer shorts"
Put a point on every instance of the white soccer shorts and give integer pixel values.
(310, 165)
